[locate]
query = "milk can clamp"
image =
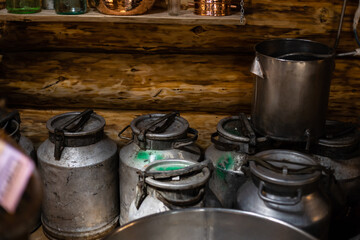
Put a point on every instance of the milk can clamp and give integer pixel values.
(59, 131)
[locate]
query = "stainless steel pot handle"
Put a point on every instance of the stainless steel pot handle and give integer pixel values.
(262, 195)
(256, 68)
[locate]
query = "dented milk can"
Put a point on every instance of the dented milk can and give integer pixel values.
(167, 185)
(154, 137)
(10, 123)
(232, 143)
(286, 185)
(78, 165)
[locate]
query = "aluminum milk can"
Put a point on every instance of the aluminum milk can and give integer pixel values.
(10, 122)
(168, 185)
(154, 137)
(232, 143)
(285, 185)
(79, 169)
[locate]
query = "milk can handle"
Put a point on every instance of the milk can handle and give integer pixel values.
(223, 146)
(256, 68)
(180, 202)
(59, 134)
(187, 141)
(8, 117)
(262, 195)
(122, 131)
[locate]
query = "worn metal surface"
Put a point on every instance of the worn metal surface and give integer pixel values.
(81, 193)
(182, 190)
(290, 197)
(227, 176)
(227, 155)
(133, 158)
(291, 95)
(208, 224)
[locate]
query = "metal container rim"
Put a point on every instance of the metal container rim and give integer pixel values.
(206, 211)
(51, 129)
(258, 53)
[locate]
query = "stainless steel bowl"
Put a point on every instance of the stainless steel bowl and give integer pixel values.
(209, 224)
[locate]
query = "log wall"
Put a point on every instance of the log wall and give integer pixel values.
(131, 68)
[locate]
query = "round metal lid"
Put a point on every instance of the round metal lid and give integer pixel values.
(95, 124)
(230, 128)
(177, 128)
(185, 181)
(285, 178)
(339, 134)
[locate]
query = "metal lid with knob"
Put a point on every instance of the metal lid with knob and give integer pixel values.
(75, 129)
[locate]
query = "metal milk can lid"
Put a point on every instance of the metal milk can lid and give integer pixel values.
(285, 167)
(75, 129)
(159, 126)
(339, 135)
(176, 174)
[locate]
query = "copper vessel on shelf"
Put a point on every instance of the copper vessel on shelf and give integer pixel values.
(124, 7)
(212, 7)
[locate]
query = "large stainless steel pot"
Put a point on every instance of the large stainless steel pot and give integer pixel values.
(154, 137)
(208, 224)
(291, 93)
(78, 165)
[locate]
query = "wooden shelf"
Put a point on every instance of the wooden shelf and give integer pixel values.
(186, 17)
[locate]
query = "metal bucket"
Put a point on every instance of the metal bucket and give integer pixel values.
(208, 223)
(291, 92)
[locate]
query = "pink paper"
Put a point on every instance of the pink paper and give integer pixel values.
(15, 171)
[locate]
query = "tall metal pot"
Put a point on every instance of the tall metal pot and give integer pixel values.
(291, 92)
(208, 224)
(154, 137)
(78, 165)
(286, 185)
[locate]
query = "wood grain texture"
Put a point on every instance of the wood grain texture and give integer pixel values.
(33, 123)
(158, 16)
(314, 20)
(218, 83)
(206, 83)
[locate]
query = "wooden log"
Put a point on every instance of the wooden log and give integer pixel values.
(127, 81)
(33, 123)
(314, 20)
(208, 83)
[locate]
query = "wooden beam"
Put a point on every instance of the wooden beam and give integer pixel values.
(187, 82)
(314, 20)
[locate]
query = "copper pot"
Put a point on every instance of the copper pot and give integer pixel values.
(124, 7)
